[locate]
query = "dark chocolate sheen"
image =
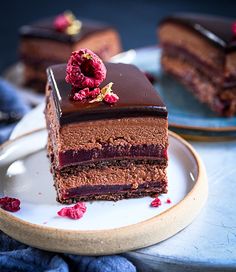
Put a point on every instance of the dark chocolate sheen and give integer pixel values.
(44, 29)
(137, 96)
(216, 29)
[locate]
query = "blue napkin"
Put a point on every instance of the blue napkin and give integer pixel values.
(15, 256)
(11, 104)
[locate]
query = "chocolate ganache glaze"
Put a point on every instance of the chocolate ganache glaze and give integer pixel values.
(217, 30)
(44, 29)
(137, 96)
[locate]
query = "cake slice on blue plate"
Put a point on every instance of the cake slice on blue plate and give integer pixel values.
(200, 51)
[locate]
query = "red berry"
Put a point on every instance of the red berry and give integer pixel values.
(10, 204)
(86, 93)
(165, 153)
(94, 93)
(78, 96)
(82, 94)
(156, 202)
(168, 201)
(234, 28)
(111, 98)
(61, 23)
(85, 69)
(75, 212)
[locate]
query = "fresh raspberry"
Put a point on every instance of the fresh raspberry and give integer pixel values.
(165, 153)
(78, 97)
(86, 93)
(168, 201)
(156, 202)
(111, 98)
(61, 23)
(85, 69)
(234, 28)
(10, 204)
(82, 94)
(75, 212)
(94, 93)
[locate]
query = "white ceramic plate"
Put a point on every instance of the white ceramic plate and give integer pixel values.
(120, 226)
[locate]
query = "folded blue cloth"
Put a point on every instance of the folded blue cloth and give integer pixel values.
(11, 104)
(15, 256)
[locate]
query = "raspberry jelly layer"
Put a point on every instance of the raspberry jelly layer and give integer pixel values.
(73, 157)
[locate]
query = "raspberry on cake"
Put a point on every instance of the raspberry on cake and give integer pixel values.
(85, 69)
(200, 51)
(50, 41)
(105, 149)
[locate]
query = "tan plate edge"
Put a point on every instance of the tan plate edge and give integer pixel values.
(118, 240)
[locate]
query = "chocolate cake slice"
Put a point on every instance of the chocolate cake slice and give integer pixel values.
(107, 151)
(43, 43)
(200, 51)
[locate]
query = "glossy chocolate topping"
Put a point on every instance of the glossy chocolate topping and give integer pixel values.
(44, 29)
(137, 96)
(218, 30)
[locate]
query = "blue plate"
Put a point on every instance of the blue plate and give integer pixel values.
(186, 115)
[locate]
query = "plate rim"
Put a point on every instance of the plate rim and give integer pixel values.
(114, 240)
(213, 129)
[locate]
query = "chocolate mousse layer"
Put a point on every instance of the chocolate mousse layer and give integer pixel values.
(200, 51)
(102, 151)
(41, 46)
